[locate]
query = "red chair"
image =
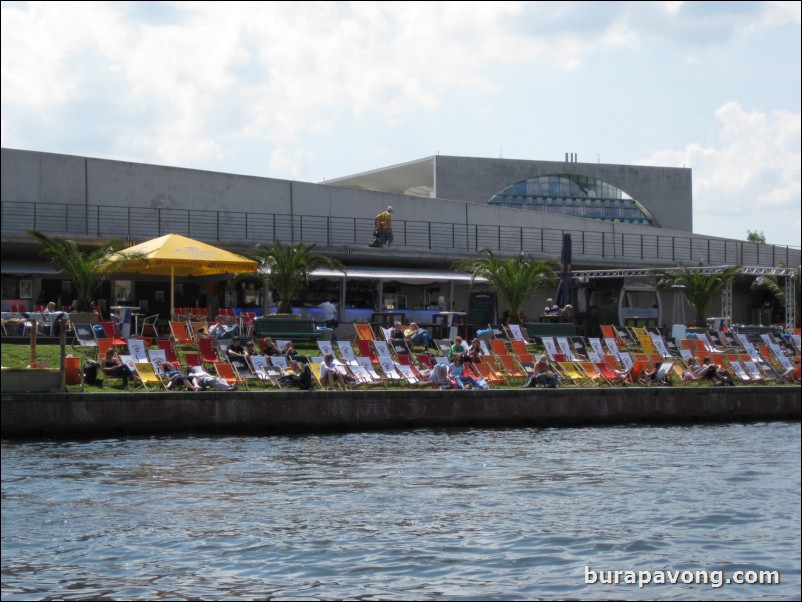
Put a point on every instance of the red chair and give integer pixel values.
(168, 346)
(110, 332)
(208, 351)
(366, 350)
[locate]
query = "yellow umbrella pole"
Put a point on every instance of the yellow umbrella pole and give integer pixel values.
(172, 291)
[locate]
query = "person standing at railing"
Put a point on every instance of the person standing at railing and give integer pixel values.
(383, 228)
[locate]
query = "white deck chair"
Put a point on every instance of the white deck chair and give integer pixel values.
(566, 348)
(347, 353)
(280, 361)
(157, 357)
(326, 347)
(596, 345)
(389, 369)
(136, 348)
(382, 349)
(367, 365)
(409, 374)
(612, 346)
(550, 346)
(363, 376)
(740, 371)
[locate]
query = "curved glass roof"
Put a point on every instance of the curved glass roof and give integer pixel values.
(580, 196)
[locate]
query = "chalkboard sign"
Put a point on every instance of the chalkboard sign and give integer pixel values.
(482, 309)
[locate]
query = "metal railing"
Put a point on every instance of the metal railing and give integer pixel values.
(247, 228)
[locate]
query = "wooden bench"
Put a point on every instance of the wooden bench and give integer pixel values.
(286, 328)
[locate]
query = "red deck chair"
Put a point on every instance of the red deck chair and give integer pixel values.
(168, 346)
(208, 351)
(366, 350)
(111, 333)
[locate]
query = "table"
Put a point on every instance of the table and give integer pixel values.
(134, 314)
(387, 319)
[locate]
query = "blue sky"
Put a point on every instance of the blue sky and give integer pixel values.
(310, 91)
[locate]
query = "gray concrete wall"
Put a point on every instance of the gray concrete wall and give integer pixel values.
(665, 191)
(104, 415)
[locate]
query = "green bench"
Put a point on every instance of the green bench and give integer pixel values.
(551, 329)
(286, 328)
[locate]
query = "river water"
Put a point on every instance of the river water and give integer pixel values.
(457, 514)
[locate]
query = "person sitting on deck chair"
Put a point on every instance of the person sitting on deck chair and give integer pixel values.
(714, 373)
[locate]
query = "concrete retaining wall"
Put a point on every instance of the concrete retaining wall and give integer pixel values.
(103, 415)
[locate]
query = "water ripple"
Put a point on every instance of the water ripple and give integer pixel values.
(425, 514)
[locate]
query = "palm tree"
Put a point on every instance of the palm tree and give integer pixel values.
(87, 270)
(515, 280)
(699, 288)
(288, 268)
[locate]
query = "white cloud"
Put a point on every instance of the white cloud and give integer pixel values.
(751, 169)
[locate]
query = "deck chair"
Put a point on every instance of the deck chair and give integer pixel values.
(208, 350)
(517, 334)
(590, 371)
(565, 346)
(510, 367)
(366, 350)
(612, 376)
(489, 374)
(157, 358)
(168, 346)
(739, 370)
(389, 370)
(181, 334)
(408, 372)
(137, 348)
(192, 359)
(580, 347)
(148, 376)
(550, 347)
(280, 361)
(400, 347)
(363, 377)
(443, 346)
(499, 346)
(84, 337)
(111, 332)
(364, 332)
(366, 365)
(230, 374)
(199, 328)
(347, 352)
(326, 347)
(573, 375)
(260, 369)
(382, 349)
(498, 331)
(104, 345)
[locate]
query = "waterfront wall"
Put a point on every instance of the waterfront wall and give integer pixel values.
(115, 414)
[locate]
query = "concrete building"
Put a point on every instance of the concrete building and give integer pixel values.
(446, 208)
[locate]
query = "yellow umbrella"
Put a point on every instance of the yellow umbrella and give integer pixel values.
(174, 254)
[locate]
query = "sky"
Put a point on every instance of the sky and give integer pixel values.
(315, 90)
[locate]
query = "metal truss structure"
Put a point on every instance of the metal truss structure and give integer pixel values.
(726, 294)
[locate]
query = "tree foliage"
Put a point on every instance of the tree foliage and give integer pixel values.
(699, 288)
(87, 270)
(515, 280)
(288, 268)
(755, 236)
